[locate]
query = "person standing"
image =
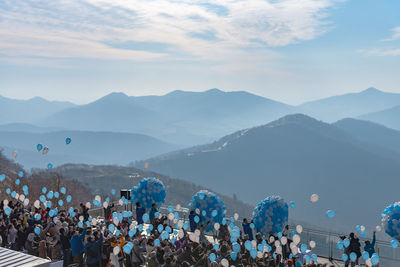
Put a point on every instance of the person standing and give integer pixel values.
(370, 247)
(355, 247)
(247, 229)
(66, 247)
(152, 212)
(78, 247)
(92, 250)
(140, 211)
(192, 222)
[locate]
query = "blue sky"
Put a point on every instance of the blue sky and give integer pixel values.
(288, 50)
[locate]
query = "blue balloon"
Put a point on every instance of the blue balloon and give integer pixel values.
(50, 195)
(345, 257)
(56, 194)
(80, 224)
(253, 253)
(8, 191)
(212, 257)
(303, 248)
(216, 246)
(358, 228)
(394, 244)
(69, 198)
(233, 255)
(340, 245)
(39, 147)
(60, 203)
(236, 247)
(7, 211)
(17, 182)
(145, 217)
(48, 204)
(38, 217)
(248, 245)
(113, 192)
(63, 190)
(271, 214)
(374, 259)
(13, 193)
(364, 235)
(330, 214)
(25, 188)
(44, 190)
(353, 257)
(292, 204)
(196, 219)
(346, 243)
(314, 257)
(42, 198)
(149, 191)
(2, 177)
(37, 230)
(208, 204)
(365, 255)
(68, 140)
(49, 166)
(21, 174)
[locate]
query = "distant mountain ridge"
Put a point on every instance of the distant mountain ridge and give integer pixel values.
(294, 156)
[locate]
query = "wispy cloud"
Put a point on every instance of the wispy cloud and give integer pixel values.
(387, 50)
(213, 30)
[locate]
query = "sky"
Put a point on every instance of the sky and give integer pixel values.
(288, 50)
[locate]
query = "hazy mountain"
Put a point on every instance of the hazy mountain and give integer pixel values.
(25, 127)
(86, 147)
(179, 117)
(28, 111)
(101, 179)
(371, 133)
(350, 105)
(294, 157)
(389, 117)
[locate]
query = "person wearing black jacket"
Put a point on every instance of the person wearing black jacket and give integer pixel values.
(66, 247)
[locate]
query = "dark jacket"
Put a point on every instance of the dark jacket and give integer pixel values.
(92, 251)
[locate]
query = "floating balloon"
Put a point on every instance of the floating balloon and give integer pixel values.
(314, 198)
(212, 257)
(394, 244)
(390, 220)
(2, 177)
(69, 198)
(7, 211)
(271, 214)
(68, 140)
(45, 151)
(146, 165)
(21, 174)
(15, 154)
(37, 230)
(210, 205)
(149, 191)
(330, 214)
(17, 181)
(49, 166)
(292, 204)
(39, 147)
(63, 190)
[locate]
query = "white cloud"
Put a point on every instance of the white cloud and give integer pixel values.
(85, 28)
(384, 51)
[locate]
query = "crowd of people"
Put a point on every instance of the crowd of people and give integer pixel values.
(64, 237)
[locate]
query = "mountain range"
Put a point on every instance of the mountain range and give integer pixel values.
(296, 156)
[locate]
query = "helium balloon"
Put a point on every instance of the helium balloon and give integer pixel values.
(63, 190)
(68, 140)
(394, 244)
(330, 214)
(212, 257)
(314, 198)
(17, 182)
(353, 256)
(45, 151)
(146, 165)
(149, 191)
(211, 204)
(2, 177)
(292, 204)
(49, 166)
(37, 230)
(271, 214)
(390, 221)
(39, 147)
(69, 198)
(374, 259)
(15, 154)
(7, 211)
(21, 174)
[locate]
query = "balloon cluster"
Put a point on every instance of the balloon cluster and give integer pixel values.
(271, 214)
(391, 220)
(149, 191)
(209, 207)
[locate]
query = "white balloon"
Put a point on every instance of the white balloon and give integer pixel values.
(16, 196)
(284, 240)
(180, 224)
(36, 204)
(259, 254)
(178, 207)
(378, 228)
(22, 197)
(26, 202)
(368, 262)
(105, 204)
(88, 205)
(314, 198)
(277, 243)
(120, 202)
(296, 239)
(299, 229)
(5, 202)
(98, 198)
(278, 250)
(236, 216)
(116, 250)
(312, 244)
(271, 239)
(224, 263)
(94, 221)
(181, 234)
(81, 218)
(216, 226)
(171, 216)
(254, 243)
